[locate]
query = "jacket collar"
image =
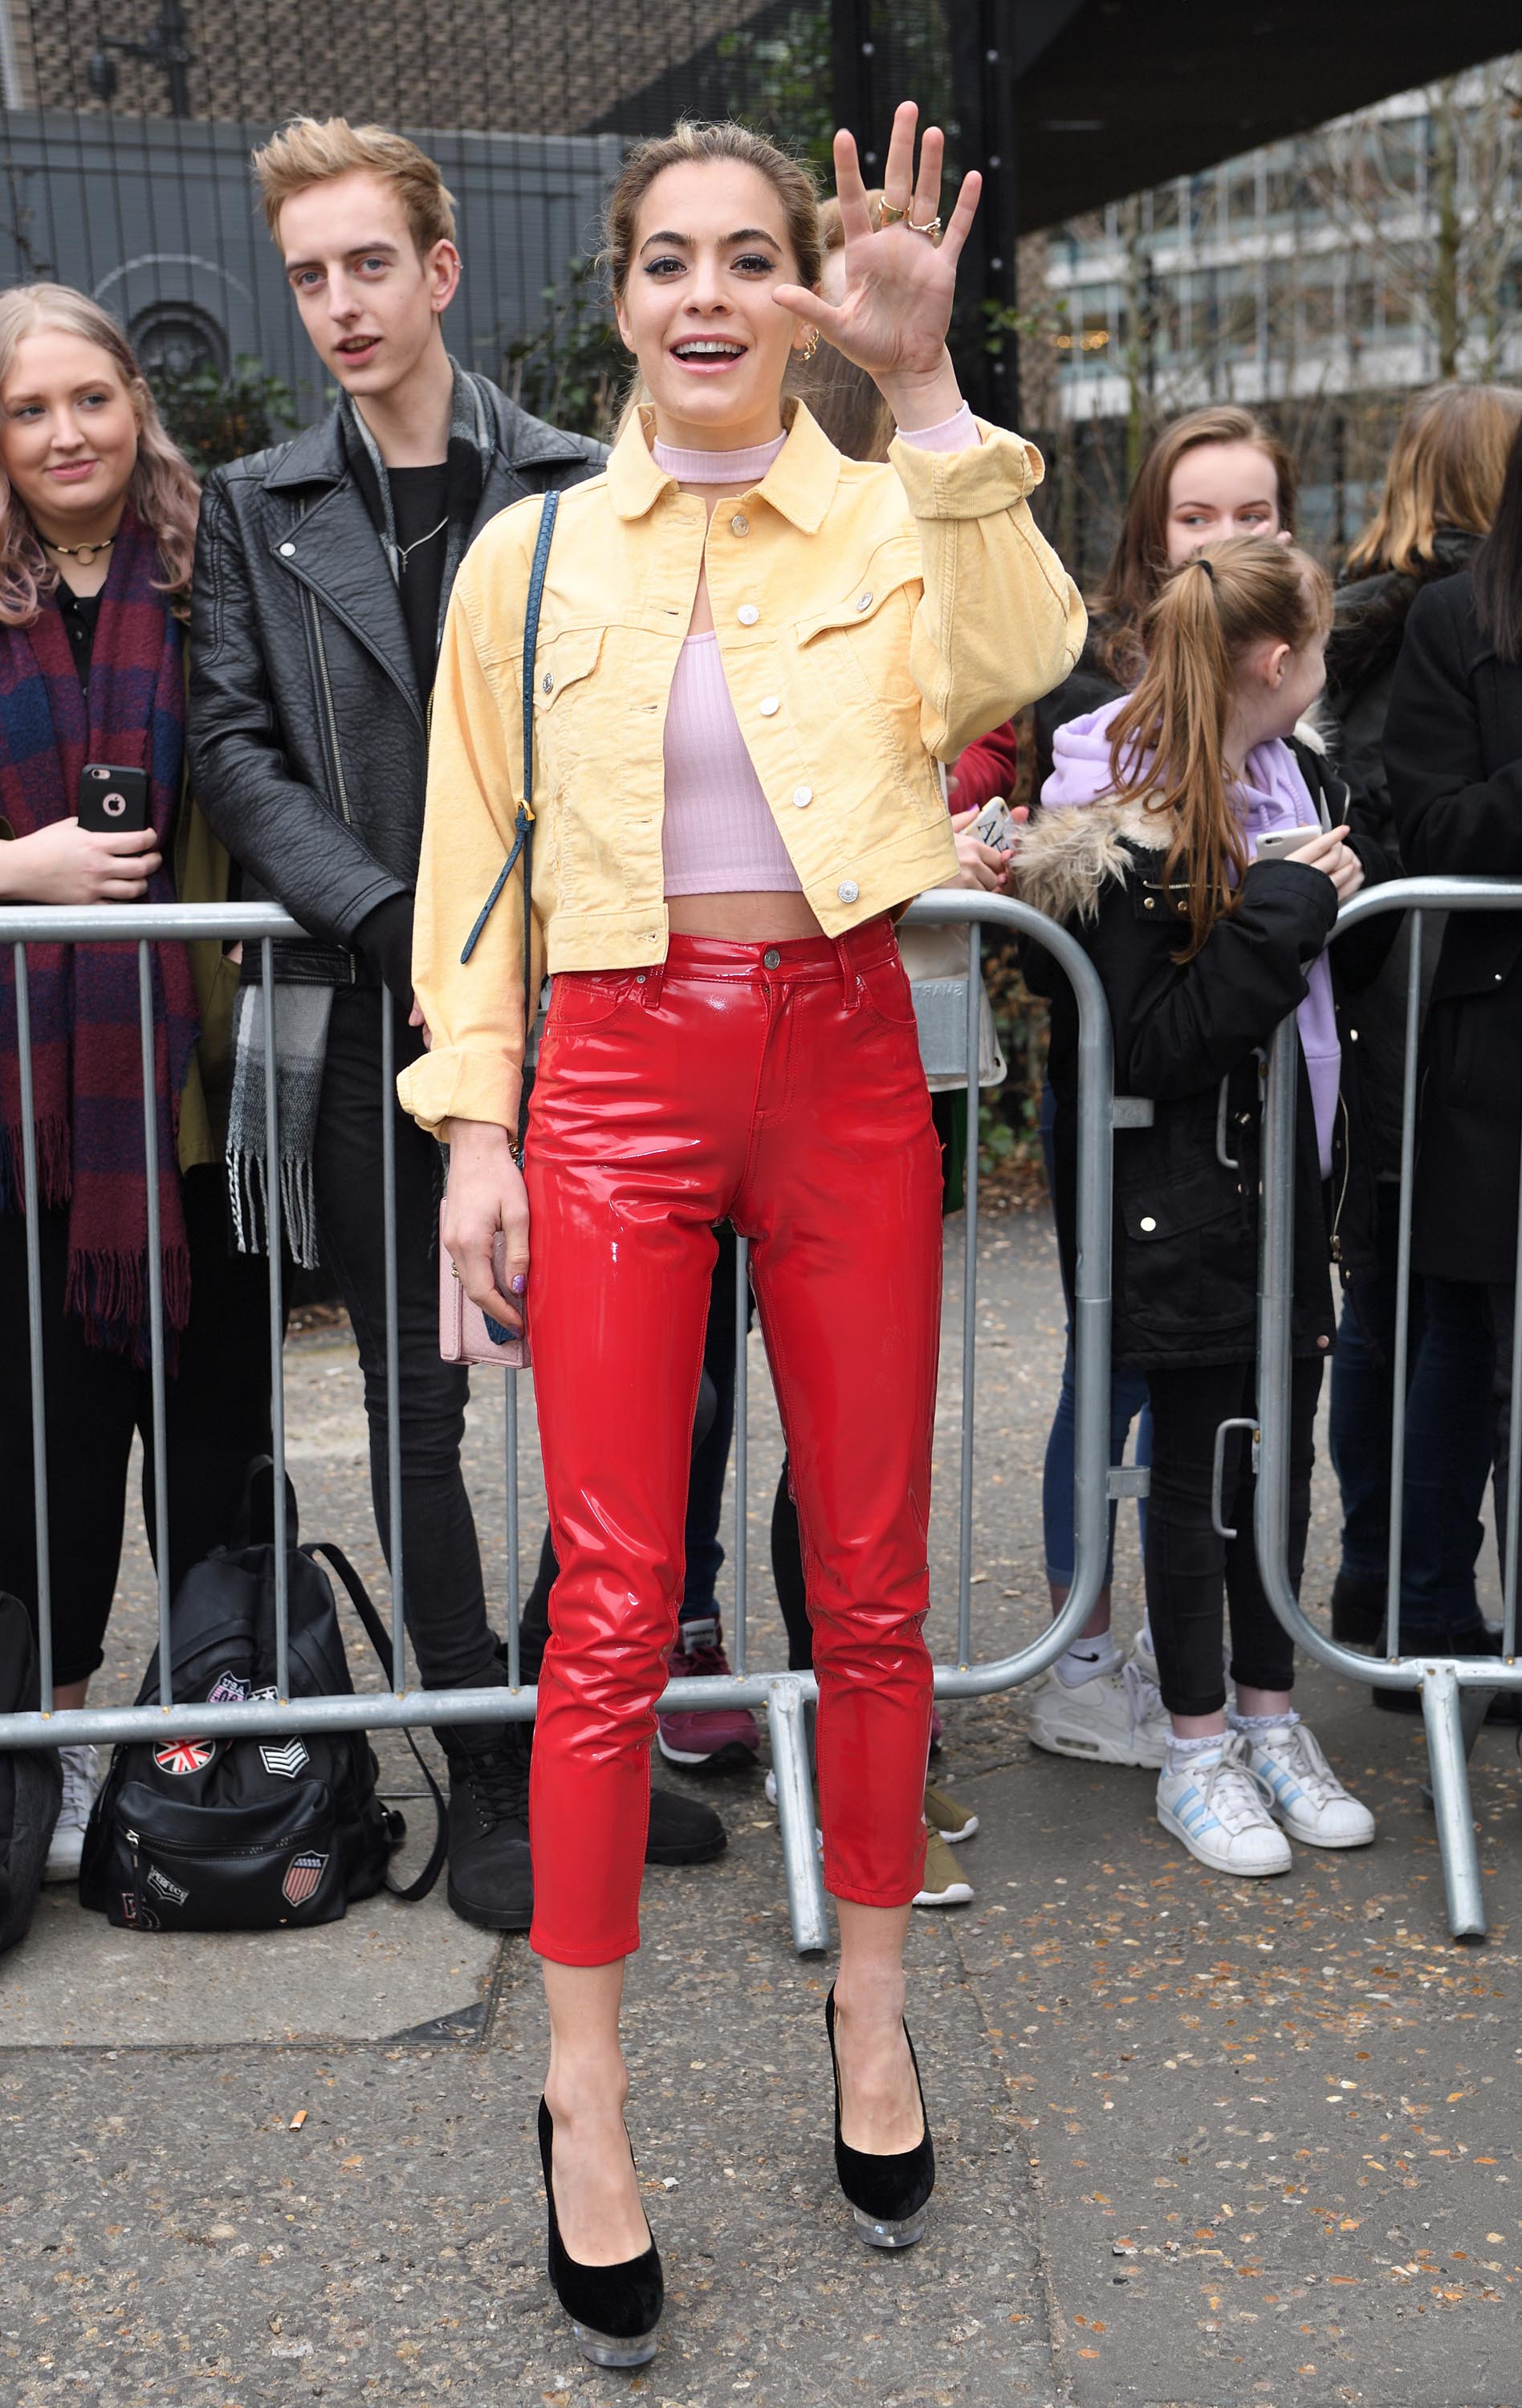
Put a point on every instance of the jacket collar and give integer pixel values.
(801, 481)
(481, 415)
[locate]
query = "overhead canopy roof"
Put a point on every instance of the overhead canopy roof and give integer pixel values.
(1112, 95)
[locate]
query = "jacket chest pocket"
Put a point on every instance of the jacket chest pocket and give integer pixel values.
(864, 636)
(564, 682)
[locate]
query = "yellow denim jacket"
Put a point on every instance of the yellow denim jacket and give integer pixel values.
(871, 619)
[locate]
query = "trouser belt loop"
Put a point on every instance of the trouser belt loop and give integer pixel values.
(849, 980)
(650, 986)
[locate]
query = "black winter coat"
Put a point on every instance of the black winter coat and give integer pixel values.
(1185, 1227)
(1361, 654)
(307, 736)
(1453, 754)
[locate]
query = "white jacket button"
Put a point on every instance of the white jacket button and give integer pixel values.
(770, 706)
(739, 524)
(747, 614)
(287, 550)
(1147, 1221)
(802, 795)
(866, 602)
(847, 890)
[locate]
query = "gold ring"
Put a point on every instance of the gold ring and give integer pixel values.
(887, 214)
(935, 229)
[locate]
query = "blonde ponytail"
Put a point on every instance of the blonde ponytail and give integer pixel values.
(1168, 740)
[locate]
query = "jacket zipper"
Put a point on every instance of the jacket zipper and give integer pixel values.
(331, 716)
(330, 729)
(1347, 1173)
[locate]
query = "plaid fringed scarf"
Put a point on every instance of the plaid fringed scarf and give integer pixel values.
(301, 1018)
(86, 1056)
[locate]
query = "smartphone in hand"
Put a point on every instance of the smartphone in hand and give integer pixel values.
(1284, 842)
(113, 802)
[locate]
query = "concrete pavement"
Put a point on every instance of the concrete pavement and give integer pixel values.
(1202, 2144)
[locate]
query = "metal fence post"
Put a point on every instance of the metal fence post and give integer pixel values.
(789, 1726)
(1447, 1683)
(274, 1239)
(394, 1400)
(156, 1319)
(33, 1331)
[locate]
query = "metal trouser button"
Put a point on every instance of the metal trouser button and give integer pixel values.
(771, 959)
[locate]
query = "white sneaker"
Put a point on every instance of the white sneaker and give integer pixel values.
(1300, 1788)
(1215, 1807)
(82, 1779)
(1115, 1718)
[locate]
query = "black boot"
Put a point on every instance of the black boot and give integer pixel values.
(491, 1880)
(1358, 1610)
(682, 1831)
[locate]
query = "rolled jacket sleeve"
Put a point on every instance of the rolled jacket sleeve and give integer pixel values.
(474, 1010)
(1000, 621)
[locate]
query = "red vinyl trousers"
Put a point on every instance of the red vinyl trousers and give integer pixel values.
(778, 1086)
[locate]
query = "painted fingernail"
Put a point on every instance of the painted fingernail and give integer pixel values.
(520, 1281)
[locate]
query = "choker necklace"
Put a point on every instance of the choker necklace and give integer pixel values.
(85, 553)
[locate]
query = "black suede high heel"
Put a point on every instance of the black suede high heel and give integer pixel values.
(886, 2194)
(614, 2310)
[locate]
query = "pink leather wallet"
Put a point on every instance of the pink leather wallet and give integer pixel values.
(465, 1334)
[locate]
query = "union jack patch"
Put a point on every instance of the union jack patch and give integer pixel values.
(302, 1875)
(185, 1754)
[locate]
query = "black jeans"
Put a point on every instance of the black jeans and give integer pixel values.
(1449, 1428)
(442, 1591)
(216, 1414)
(1187, 1562)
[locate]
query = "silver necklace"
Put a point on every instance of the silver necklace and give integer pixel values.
(403, 550)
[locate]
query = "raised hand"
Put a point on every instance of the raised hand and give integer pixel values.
(900, 283)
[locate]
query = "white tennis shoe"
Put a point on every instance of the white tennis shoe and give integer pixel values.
(1116, 1718)
(1215, 1807)
(1299, 1787)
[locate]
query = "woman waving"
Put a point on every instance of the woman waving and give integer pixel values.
(751, 656)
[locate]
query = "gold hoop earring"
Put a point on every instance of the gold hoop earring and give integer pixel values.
(810, 346)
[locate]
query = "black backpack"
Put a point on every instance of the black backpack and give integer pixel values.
(31, 1781)
(250, 1834)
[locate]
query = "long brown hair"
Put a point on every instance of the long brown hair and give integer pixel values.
(1138, 563)
(1167, 740)
(162, 489)
(1445, 470)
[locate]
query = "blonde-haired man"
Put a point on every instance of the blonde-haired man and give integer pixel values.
(324, 570)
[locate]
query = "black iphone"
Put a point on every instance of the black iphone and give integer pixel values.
(112, 801)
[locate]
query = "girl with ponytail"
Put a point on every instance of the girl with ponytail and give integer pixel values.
(1149, 848)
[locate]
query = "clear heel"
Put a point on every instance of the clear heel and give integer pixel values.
(890, 2232)
(605, 2349)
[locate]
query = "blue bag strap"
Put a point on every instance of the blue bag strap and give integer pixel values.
(523, 841)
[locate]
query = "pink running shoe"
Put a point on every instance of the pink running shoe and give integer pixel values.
(720, 1739)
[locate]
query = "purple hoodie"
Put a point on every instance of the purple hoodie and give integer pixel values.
(1276, 797)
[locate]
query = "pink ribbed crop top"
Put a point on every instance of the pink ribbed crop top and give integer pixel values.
(718, 834)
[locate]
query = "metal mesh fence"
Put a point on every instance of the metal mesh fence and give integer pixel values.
(128, 125)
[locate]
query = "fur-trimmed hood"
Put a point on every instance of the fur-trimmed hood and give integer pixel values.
(1067, 854)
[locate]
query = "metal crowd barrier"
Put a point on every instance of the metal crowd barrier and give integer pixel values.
(782, 1694)
(1454, 1689)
